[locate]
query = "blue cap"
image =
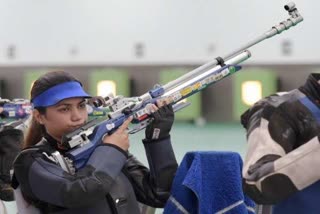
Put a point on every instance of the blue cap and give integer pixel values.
(59, 92)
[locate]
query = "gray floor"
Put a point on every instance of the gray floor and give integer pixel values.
(188, 137)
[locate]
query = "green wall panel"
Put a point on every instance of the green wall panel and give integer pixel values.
(29, 78)
(120, 77)
(268, 79)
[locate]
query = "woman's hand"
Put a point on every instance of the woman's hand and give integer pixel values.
(162, 122)
(120, 137)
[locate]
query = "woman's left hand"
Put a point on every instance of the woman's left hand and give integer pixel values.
(163, 118)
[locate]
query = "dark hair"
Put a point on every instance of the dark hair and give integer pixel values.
(43, 83)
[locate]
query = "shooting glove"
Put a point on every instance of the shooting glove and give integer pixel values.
(161, 125)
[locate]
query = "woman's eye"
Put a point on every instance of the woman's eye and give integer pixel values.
(82, 106)
(63, 109)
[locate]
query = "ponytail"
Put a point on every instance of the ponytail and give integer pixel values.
(34, 134)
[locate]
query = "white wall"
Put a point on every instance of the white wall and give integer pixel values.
(173, 31)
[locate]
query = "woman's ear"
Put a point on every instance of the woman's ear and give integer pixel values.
(39, 118)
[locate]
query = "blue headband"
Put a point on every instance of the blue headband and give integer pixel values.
(59, 92)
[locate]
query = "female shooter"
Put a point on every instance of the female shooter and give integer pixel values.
(113, 180)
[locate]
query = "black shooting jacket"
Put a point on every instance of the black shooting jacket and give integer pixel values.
(113, 181)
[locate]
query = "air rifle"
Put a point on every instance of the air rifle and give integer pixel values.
(14, 113)
(82, 141)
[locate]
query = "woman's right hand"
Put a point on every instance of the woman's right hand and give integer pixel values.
(120, 137)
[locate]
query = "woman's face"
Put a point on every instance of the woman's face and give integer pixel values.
(64, 117)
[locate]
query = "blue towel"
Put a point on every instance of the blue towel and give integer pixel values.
(207, 183)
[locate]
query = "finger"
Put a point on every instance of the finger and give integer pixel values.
(125, 124)
(153, 108)
(165, 101)
(159, 103)
(168, 100)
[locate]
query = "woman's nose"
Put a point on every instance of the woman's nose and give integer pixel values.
(76, 115)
